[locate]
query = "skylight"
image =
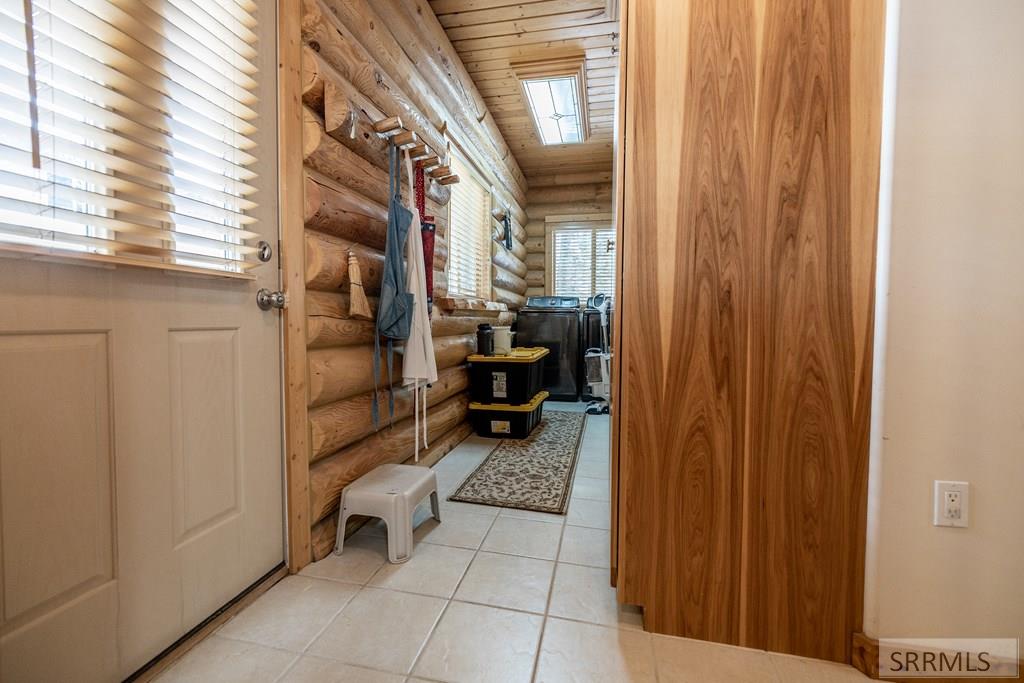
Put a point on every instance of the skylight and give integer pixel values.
(555, 104)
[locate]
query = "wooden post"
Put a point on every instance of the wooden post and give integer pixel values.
(292, 210)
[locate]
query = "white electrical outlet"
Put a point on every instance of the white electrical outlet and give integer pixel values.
(951, 503)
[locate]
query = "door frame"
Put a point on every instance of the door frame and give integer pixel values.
(291, 196)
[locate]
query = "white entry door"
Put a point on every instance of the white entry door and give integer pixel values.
(140, 446)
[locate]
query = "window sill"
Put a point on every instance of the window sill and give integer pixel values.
(470, 306)
(107, 261)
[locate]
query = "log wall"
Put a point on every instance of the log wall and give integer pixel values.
(362, 62)
(559, 195)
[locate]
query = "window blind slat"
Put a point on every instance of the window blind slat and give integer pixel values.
(144, 132)
(238, 34)
(70, 43)
(582, 262)
(469, 256)
(121, 33)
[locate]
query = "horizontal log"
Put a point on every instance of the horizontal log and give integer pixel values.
(519, 249)
(440, 284)
(534, 291)
(349, 116)
(334, 327)
(326, 34)
(504, 258)
(518, 231)
(323, 532)
(535, 245)
(536, 262)
(418, 33)
(570, 193)
(333, 304)
(535, 229)
(440, 252)
(327, 263)
(511, 299)
(470, 306)
(538, 212)
(581, 178)
(342, 372)
(336, 161)
(506, 280)
(445, 324)
(328, 476)
(335, 209)
(535, 278)
(336, 425)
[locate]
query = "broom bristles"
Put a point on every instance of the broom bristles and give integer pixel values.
(358, 307)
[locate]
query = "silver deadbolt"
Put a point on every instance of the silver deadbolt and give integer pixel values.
(264, 252)
(267, 299)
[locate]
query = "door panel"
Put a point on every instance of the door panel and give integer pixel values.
(57, 539)
(140, 447)
(749, 201)
(685, 309)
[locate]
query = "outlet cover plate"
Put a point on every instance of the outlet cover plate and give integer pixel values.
(950, 503)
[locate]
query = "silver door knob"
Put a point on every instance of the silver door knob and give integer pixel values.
(267, 299)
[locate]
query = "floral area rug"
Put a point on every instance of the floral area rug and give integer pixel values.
(534, 473)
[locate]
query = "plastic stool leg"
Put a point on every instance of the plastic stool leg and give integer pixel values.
(339, 541)
(396, 539)
(435, 506)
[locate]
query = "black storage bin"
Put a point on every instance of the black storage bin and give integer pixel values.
(513, 379)
(501, 421)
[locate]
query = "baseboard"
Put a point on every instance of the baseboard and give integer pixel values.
(865, 660)
(864, 655)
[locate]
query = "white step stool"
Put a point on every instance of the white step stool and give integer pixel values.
(390, 492)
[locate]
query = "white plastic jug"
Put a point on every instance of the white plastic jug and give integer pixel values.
(502, 341)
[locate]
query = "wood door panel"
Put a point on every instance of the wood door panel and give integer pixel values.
(810, 436)
(687, 295)
(749, 203)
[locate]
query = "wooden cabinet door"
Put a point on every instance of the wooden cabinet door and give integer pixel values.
(749, 180)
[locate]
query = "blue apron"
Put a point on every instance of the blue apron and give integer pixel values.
(394, 312)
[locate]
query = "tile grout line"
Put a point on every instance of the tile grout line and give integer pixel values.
(447, 604)
(547, 604)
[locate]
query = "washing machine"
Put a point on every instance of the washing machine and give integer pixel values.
(555, 322)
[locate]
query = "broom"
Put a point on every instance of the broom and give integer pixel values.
(358, 307)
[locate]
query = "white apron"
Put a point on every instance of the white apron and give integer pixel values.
(418, 365)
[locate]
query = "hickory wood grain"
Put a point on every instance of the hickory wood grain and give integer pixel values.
(749, 192)
(686, 295)
(811, 384)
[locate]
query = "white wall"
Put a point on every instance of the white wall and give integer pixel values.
(952, 396)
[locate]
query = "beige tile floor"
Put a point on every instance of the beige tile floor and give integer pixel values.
(489, 595)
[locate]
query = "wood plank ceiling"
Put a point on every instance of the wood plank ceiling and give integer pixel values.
(489, 35)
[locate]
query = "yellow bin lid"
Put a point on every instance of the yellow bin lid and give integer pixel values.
(525, 408)
(518, 355)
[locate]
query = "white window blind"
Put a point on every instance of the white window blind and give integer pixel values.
(137, 146)
(583, 261)
(469, 249)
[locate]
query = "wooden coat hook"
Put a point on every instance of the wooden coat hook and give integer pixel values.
(440, 172)
(420, 151)
(449, 180)
(406, 138)
(429, 163)
(389, 126)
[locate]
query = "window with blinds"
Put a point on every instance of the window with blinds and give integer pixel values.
(583, 261)
(469, 249)
(126, 131)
